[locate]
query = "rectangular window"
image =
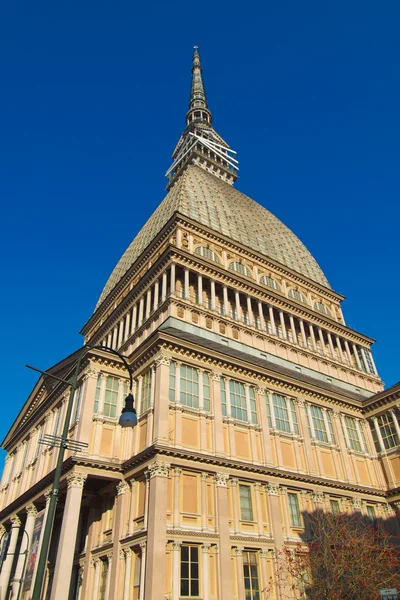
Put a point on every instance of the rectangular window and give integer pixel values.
(268, 411)
(172, 379)
(294, 417)
(330, 423)
(355, 442)
(253, 406)
(103, 579)
(319, 423)
(223, 395)
(370, 364)
(238, 400)
(97, 395)
(250, 574)
(246, 509)
(189, 395)
(146, 392)
(294, 510)
(374, 436)
(371, 512)
(335, 506)
(111, 397)
(388, 431)
(78, 401)
(190, 571)
(206, 392)
(281, 413)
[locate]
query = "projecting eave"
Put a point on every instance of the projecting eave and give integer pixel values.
(388, 396)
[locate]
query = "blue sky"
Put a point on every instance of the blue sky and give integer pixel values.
(93, 99)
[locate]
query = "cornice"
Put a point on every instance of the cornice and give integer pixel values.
(241, 468)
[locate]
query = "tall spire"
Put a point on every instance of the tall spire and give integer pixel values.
(200, 144)
(198, 99)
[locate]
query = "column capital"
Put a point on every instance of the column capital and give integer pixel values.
(264, 553)
(215, 375)
(272, 489)
(356, 503)
(128, 552)
(16, 521)
(260, 390)
(205, 548)
(300, 402)
(204, 476)
(221, 479)
(337, 414)
(143, 546)
(159, 469)
(162, 359)
(31, 510)
(234, 481)
(317, 497)
(2, 530)
(122, 487)
(76, 479)
(89, 373)
(238, 550)
(176, 546)
(95, 562)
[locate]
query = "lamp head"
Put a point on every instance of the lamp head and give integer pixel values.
(128, 416)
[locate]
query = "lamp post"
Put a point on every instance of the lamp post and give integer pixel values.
(127, 419)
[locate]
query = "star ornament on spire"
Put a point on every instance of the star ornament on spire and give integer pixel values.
(200, 144)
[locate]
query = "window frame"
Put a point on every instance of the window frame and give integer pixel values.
(245, 496)
(295, 517)
(190, 579)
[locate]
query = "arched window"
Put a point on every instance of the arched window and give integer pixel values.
(296, 295)
(272, 283)
(240, 268)
(320, 306)
(207, 253)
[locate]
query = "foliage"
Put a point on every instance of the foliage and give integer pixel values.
(348, 558)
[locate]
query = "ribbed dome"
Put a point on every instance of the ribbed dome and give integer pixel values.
(210, 201)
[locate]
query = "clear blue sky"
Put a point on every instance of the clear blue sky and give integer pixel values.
(93, 99)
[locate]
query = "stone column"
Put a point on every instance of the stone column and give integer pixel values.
(321, 339)
(346, 345)
(96, 565)
(141, 307)
(234, 491)
(204, 507)
(120, 332)
(69, 528)
(378, 434)
(283, 325)
(177, 497)
(225, 570)
(293, 328)
(308, 450)
(186, 284)
(127, 325)
(156, 294)
(225, 297)
(199, 289)
(272, 319)
(134, 318)
(127, 578)
(339, 347)
(173, 279)
(142, 569)
(314, 343)
(275, 517)
(24, 549)
(359, 365)
(206, 576)
(261, 315)
(156, 530)
(239, 571)
(164, 287)
(161, 403)
(303, 333)
(250, 311)
(9, 559)
(217, 426)
(238, 307)
(108, 582)
(331, 345)
(326, 423)
(176, 554)
(148, 303)
(212, 284)
(262, 410)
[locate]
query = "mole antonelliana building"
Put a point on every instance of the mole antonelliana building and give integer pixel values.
(255, 403)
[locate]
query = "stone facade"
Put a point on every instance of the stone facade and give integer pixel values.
(256, 404)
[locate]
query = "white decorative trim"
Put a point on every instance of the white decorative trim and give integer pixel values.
(159, 469)
(221, 479)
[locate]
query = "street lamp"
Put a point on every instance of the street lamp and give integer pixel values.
(128, 419)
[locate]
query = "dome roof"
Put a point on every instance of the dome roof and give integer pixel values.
(201, 196)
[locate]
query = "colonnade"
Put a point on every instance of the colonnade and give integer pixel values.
(243, 308)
